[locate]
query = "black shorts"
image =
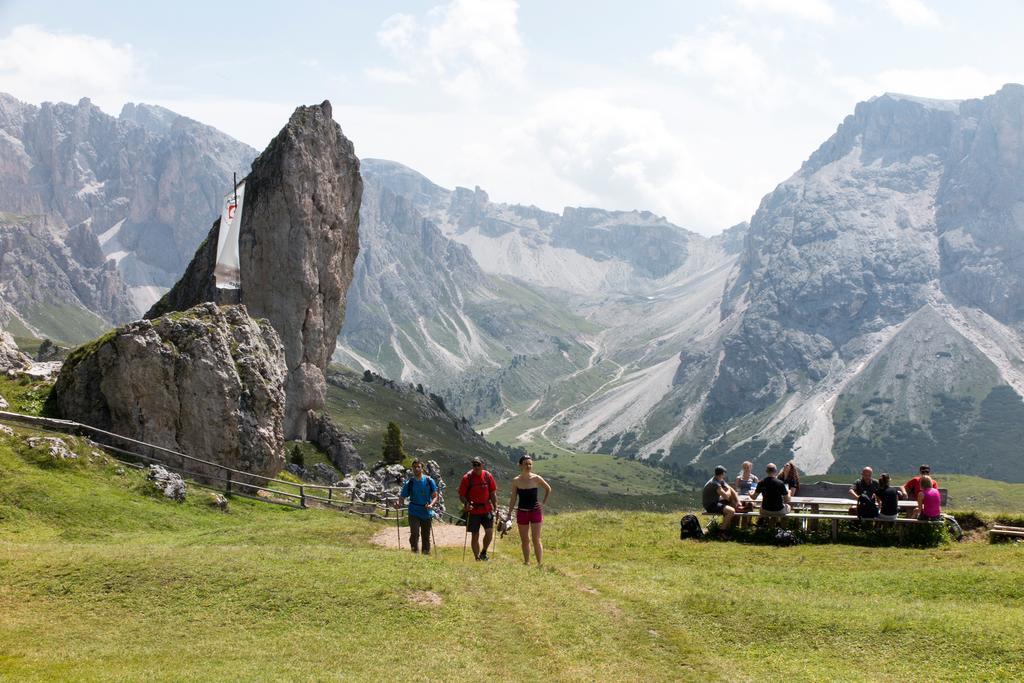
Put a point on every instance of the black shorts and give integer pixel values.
(717, 508)
(485, 520)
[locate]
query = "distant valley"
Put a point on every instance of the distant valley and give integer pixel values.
(872, 310)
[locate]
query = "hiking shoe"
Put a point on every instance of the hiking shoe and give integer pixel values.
(483, 557)
(426, 552)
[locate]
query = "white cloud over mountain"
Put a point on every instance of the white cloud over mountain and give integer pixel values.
(816, 11)
(39, 65)
(913, 13)
(465, 45)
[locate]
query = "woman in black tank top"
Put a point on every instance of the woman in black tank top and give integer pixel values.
(527, 499)
(529, 513)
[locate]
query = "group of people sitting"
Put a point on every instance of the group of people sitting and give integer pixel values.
(776, 491)
(879, 498)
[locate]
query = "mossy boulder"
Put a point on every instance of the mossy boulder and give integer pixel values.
(207, 382)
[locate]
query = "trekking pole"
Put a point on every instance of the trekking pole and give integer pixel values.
(465, 541)
(494, 546)
(398, 528)
(433, 540)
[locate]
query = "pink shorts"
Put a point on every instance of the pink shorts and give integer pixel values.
(534, 516)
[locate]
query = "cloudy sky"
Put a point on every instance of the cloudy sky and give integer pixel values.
(691, 110)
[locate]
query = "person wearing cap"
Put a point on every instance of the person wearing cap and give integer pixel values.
(773, 492)
(913, 487)
(719, 498)
(478, 493)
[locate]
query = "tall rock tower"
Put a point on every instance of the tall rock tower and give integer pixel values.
(298, 242)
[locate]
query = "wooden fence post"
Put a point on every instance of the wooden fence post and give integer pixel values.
(302, 496)
(228, 482)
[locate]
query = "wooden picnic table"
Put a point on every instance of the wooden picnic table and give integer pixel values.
(818, 501)
(837, 502)
(814, 505)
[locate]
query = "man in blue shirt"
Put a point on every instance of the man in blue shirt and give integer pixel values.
(421, 491)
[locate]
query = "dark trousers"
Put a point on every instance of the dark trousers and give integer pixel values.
(418, 527)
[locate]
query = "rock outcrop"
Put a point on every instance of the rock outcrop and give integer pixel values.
(298, 242)
(170, 484)
(10, 357)
(339, 446)
(54, 446)
(208, 382)
(383, 483)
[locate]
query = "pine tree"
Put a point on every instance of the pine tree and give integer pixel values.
(393, 451)
(297, 457)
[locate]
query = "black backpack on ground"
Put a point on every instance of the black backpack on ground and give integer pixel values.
(866, 507)
(784, 537)
(689, 527)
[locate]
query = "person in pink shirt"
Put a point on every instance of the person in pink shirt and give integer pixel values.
(929, 508)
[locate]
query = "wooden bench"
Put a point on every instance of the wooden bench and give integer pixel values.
(1008, 531)
(835, 519)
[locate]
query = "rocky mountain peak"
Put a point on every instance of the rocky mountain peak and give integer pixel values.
(298, 241)
(145, 184)
(151, 117)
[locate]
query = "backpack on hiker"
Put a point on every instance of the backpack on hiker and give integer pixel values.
(689, 527)
(866, 507)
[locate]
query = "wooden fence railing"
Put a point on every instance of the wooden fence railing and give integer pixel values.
(233, 482)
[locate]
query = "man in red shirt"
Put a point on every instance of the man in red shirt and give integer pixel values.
(478, 493)
(913, 487)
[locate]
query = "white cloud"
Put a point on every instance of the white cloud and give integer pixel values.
(816, 11)
(618, 156)
(465, 46)
(398, 33)
(913, 13)
(732, 68)
(955, 83)
(37, 65)
(382, 75)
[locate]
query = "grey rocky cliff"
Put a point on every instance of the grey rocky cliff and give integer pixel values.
(208, 382)
(899, 236)
(649, 243)
(10, 357)
(298, 242)
(143, 184)
(903, 195)
(422, 310)
(980, 207)
(59, 287)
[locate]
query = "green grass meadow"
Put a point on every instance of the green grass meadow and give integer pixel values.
(102, 580)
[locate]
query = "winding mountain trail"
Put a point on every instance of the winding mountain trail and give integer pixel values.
(508, 415)
(598, 349)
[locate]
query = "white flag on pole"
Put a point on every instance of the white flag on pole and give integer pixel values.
(227, 272)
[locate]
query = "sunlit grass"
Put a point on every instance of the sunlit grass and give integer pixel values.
(100, 579)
